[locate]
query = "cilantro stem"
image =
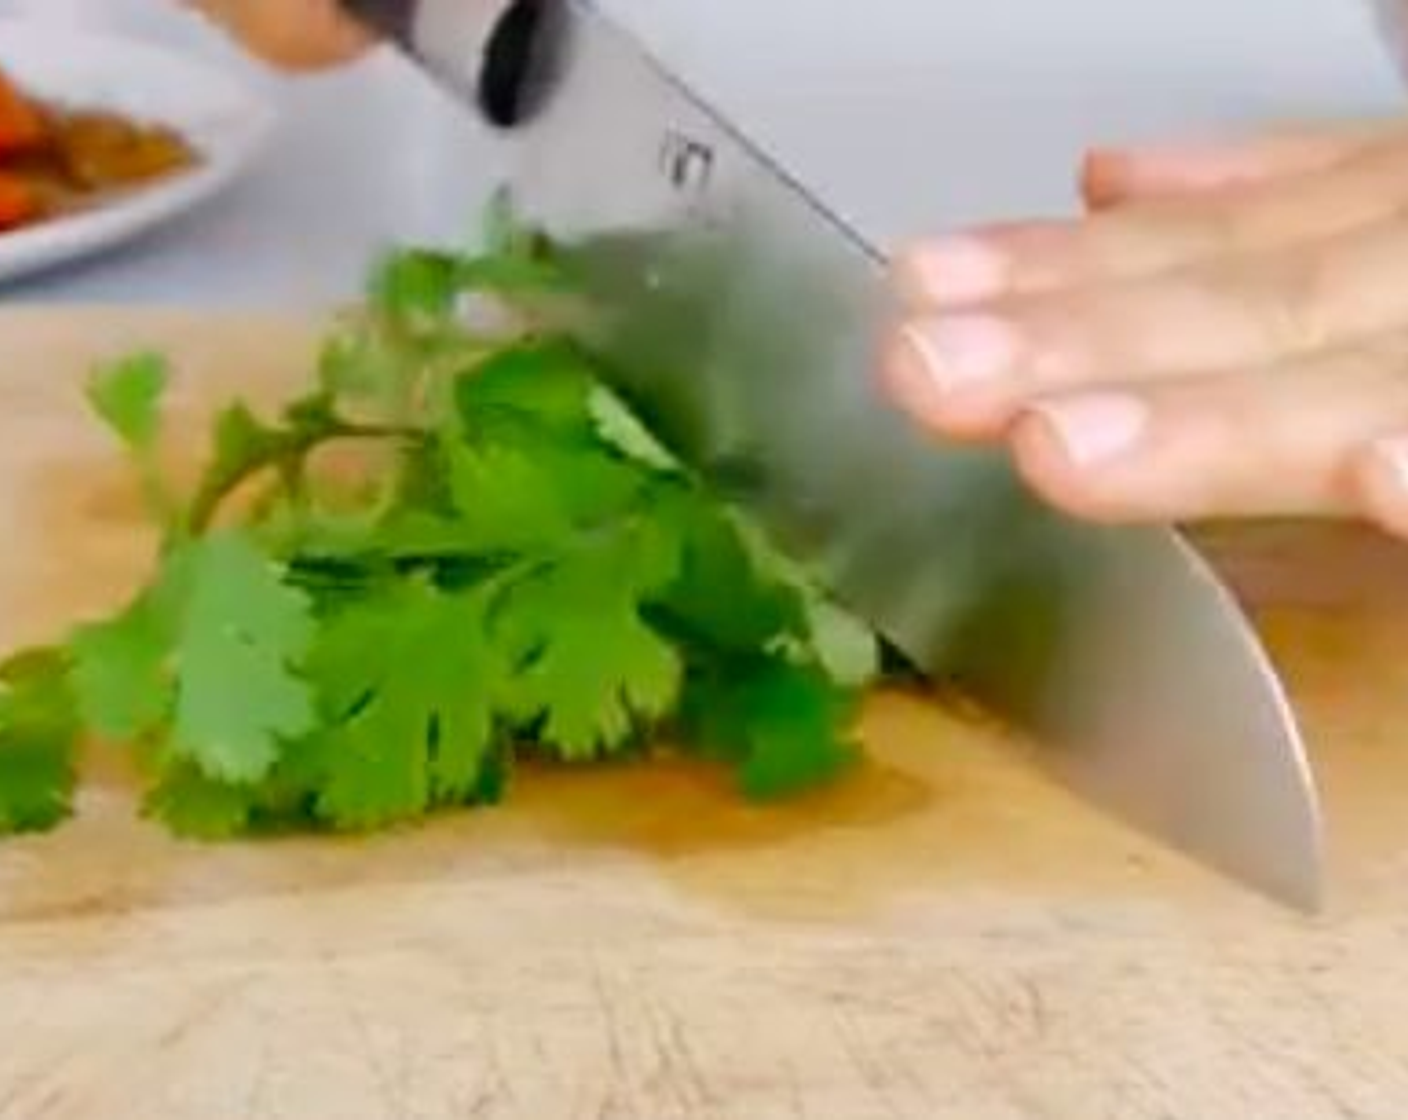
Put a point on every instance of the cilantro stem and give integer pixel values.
(286, 455)
(161, 504)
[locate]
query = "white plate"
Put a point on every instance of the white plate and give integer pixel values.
(225, 121)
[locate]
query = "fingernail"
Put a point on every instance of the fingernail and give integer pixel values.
(962, 351)
(1092, 430)
(957, 269)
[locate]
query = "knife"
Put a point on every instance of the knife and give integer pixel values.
(741, 316)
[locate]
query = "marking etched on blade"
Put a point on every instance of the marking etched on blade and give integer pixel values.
(742, 319)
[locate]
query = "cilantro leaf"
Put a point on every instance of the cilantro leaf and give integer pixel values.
(39, 731)
(592, 668)
(513, 259)
(422, 485)
(500, 231)
(196, 807)
(511, 276)
(505, 500)
(423, 286)
(785, 726)
(797, 724)
(535, 495)
(849, 649)
(415, 282)
(120, 672)
(542, 383)
(617, 426)
(408, 684)
(127, 395)
(720, 597)
(242, 634)
(360, 363)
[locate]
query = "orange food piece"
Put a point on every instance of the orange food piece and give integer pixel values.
(18, 202)
(21, 123)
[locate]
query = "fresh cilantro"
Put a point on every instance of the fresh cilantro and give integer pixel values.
(513, 260)
(417, 282)
(718, 569)
(39, 731)
(619, 427)
(530, 494)
(120, 670)
(545, 384)
(591, 669)
(243, 443)
(504, 499)
(408, 684)
(849, 649)
(524, 570)
(243, 635)
(524, 276)
(358, 362)
(784, 726)
(196, 807)
(127, 395)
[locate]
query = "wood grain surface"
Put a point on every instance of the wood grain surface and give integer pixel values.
(946, 936)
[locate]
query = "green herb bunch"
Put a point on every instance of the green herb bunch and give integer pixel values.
(517, 570)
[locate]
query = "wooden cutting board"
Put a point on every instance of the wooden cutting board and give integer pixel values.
(946, 936)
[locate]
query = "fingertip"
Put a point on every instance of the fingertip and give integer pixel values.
(1111, 178)
(905, 379)
(1042, 463)
(1210, 166)
(950, 271)
(921, 381)
(1103, 179)
(1074, 452)
(1381, 481)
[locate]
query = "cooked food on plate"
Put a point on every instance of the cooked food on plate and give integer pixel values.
(56, 158)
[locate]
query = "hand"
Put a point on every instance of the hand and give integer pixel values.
(294, 34)
(1224, 333)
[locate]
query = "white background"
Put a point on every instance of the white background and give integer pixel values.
(906, 115)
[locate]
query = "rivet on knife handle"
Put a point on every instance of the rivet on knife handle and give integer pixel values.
(496, 50)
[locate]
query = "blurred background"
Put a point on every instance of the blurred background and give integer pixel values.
(907, 115)
(361, 157)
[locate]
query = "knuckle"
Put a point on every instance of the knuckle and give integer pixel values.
(1388, 355)
(1229, 229)
(1293, 304)
(1380, 374)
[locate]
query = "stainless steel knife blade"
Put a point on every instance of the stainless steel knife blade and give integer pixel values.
(742, 317)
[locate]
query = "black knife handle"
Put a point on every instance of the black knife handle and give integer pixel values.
(507, 81)
(514, 74)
